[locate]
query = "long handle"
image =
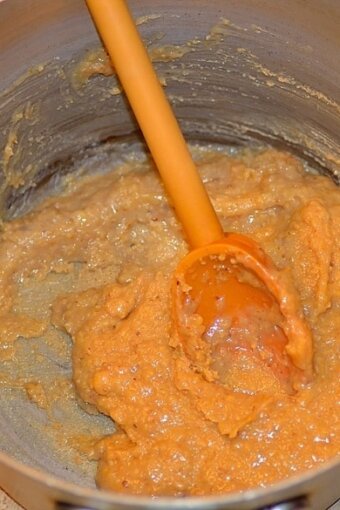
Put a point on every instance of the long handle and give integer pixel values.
(156, 120)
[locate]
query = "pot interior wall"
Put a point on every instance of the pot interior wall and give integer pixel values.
(235, 73)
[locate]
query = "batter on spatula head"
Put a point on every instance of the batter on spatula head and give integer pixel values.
(247, 316)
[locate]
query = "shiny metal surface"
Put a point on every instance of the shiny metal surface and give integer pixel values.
(296, 504)
(262, 70)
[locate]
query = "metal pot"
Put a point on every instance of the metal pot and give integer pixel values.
(252, 70)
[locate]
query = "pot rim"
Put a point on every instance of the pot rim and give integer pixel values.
(164, 502)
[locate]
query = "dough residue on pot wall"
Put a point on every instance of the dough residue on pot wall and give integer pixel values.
(21, 119)
(97, 62)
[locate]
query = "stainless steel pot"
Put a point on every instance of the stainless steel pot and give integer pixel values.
(252, 70)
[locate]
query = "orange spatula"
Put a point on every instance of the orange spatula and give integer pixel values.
(210, 274)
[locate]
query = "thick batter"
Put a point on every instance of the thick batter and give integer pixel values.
(179, 433)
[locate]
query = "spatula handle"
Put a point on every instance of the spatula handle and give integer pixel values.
(156, 120)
